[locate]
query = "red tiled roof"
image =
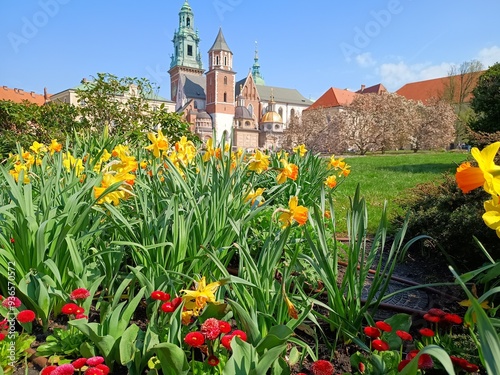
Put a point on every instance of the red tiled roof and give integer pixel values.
(430, 89)
(19, 95)
(333, 98)
(375, 89)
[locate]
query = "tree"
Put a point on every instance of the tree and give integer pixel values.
(458, 90)
(312, 129)
(27, 122)
(486, 101)
(433, 125)
(122, 106)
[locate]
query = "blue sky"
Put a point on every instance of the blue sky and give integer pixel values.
(310, 46)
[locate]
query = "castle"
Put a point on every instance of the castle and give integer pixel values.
(248, 113)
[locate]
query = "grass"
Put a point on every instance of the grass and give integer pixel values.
(388, 177)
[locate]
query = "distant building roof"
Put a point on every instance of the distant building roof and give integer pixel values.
(18, 96)
(194, 86)
(283, 95)
(334, 98)
(375, 89)
(435, 88)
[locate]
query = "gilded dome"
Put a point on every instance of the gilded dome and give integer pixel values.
(272, 116)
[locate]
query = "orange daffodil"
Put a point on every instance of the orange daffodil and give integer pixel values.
(331, 181)
(289, 170)
(254, 195)
(339, 164)
(293, 213)
(487, 175)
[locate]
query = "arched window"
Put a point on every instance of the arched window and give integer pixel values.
(195, 104)
(188, 22)
(250, 109)
(292, 113)
(225, 80)
(225, 97)
(280, 111)
(216, 60)
(225, 60)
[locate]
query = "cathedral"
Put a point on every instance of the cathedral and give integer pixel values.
(248, 113)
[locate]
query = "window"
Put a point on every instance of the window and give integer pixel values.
(250, 109)
(217, 60)
(190, 50)
(225, 60)
(188, 22)
(280, 111)
(225, 97)
(225, 80)
(292, 113)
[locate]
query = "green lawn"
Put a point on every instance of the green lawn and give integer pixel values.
(388, 177)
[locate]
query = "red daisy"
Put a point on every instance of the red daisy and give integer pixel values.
(79, 363)
(226, 341)
(80, 293)
(48, 370)
(452, 319)
(383, 326)
(403, 335)
(427, 332)
(26, 316)
(158, 295)
(322, 367)
(242, 335)
(65, 369)
(210, 328)
(93, 371)
(224, 327)
(94, 361)
(372, 332)
(213, 360)
(2, 336)
(194, 339)
(436, 312)
(176, 301)
(380, 345)
(424, 361)
(70, 308)
(167, 307)
(470, 367)
(432, 318)
(11, 301)
(103, 368)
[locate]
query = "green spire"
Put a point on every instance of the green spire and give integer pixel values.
(259, 80)
(186, 41)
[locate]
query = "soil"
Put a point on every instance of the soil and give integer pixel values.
(418, 267)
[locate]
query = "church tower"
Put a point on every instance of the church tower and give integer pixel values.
(257, 77)
(186, 57)
(220, 87)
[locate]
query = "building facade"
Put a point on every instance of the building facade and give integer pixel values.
(214, 102)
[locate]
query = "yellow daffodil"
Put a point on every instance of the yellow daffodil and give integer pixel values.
(70, 162)
(467, 303)
(289, 170)
(186, 151)
(486, 174)
(159, 143)
(492, 215)
(295, 212)
(253, 195)
(259, 162)
(331, 181)
(301, 150)
(54, 147)
(114, 197)
(18, 170)
(38, 148)
(196, 300)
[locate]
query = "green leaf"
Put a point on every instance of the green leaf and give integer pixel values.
(127, 345)
(438, 353)
(173, 359)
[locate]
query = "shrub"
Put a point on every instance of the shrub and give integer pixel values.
(451, 218)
